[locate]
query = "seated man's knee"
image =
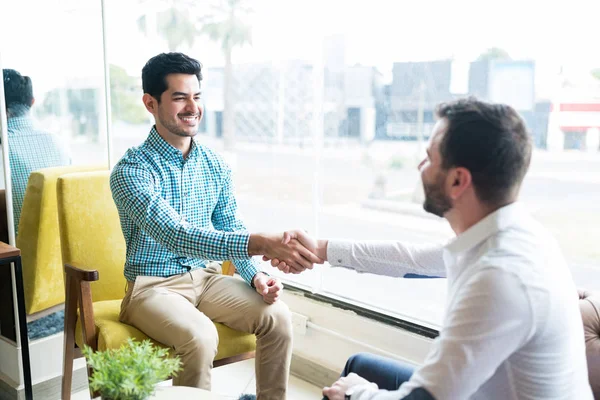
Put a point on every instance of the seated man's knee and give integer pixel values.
(357, 362)
(202, 340)
(277, 317)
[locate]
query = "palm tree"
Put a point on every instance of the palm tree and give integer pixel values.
(494, 53)
(173, 23)
(224, 24)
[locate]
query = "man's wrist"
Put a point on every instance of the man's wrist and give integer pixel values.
(321, 250)
(255, 276)
(256, 244)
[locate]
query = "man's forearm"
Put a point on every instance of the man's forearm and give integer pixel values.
(389, 258)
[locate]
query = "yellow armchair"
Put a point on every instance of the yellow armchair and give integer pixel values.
(39, 240)
(93, 247)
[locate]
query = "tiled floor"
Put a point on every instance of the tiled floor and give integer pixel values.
(234, 379)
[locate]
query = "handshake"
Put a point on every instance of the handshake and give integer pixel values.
(291, 252)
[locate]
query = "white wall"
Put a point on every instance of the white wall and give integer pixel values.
(333, 334)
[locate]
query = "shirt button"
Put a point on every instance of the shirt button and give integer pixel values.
(339, 260)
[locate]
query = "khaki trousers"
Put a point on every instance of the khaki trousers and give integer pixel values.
(178, 311)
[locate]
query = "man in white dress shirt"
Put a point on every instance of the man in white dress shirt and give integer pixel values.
(512, 327)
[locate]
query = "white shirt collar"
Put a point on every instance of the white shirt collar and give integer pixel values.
(495, 222)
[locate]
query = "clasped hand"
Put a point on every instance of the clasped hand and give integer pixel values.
(296, 252)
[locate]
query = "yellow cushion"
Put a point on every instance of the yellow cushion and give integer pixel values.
(39, 239)
(112, 333)
(90, 230)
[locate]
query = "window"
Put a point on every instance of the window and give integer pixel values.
(332, 103)
(64, 61)
(59, 47)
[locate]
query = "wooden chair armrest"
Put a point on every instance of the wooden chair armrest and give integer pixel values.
(81, 274)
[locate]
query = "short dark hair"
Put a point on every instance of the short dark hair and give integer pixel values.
(491, 141)
(154, 73)
(18, 92)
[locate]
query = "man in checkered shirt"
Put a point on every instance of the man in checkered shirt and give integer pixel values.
(29, 148)
(177, 209)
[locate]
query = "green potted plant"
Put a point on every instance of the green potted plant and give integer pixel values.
(130, 372)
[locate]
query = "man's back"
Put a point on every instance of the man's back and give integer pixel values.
(29, 150)
(551, 363)
(512, 328)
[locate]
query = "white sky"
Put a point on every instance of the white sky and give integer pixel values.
(58, 40)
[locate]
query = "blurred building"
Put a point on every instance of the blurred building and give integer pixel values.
(574, 122)
(417, 88)
(275, 103)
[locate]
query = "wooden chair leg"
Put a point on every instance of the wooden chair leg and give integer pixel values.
(71, 296)
(78, 292)
(87, 323)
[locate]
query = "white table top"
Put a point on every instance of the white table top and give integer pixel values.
(182, 393)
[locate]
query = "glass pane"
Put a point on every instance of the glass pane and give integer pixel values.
(392, 76)
(59, 49)
(68, 85)
(351, 172)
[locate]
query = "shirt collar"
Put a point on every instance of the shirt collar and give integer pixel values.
(495, 222)
(165, 149)
(17, 123)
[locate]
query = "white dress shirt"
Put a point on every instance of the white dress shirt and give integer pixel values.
(512, 327)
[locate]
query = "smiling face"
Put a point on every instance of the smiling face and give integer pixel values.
(180, 110)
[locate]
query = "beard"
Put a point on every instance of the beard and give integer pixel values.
(172, 126)
(436, 201)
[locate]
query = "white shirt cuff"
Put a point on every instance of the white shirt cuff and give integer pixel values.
(339, 252)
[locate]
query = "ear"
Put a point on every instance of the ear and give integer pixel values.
(150, 103)
(458, 181)
(32, 102)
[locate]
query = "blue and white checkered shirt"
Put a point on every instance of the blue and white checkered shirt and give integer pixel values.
(177, 213)
(30, 149)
